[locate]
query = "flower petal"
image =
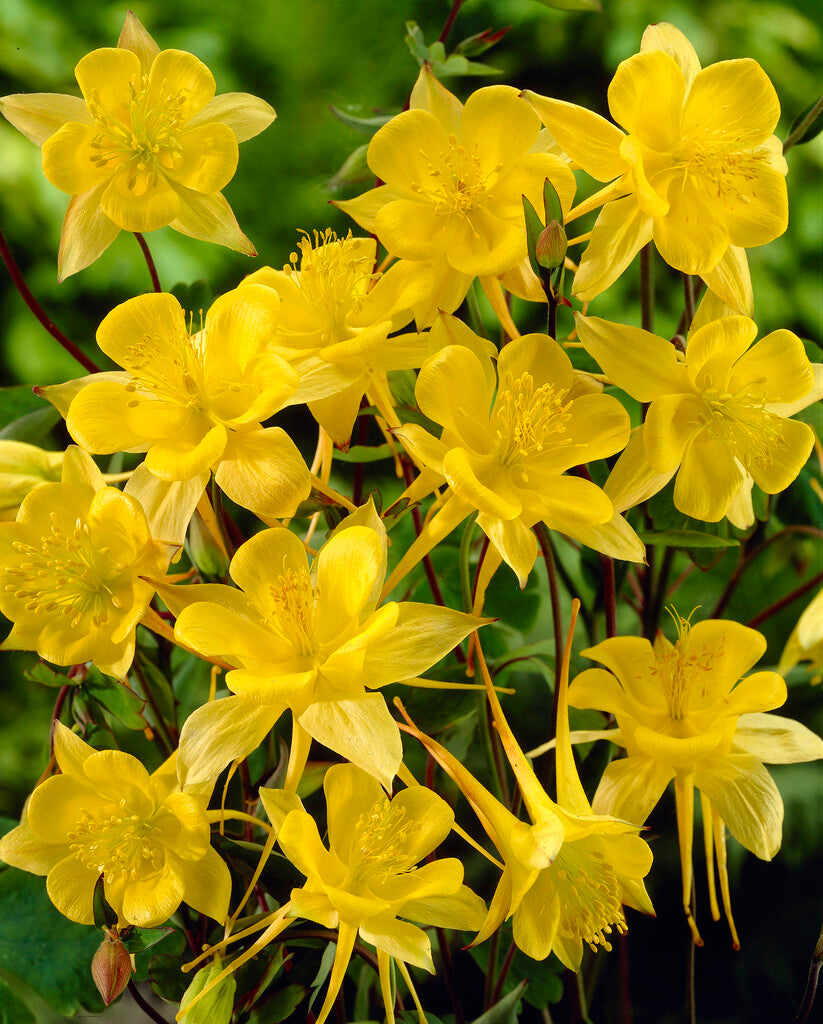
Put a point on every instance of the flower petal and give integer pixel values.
(179, 77)
(777, 740)
(262, 470)
(400, 940)
(154, 208)
(589, 139)
(672, 423)
(779, 362)
(646, 97)
(746, 798)
(68, 159)
(633, 479)
(87, 233)
(671, 40)
(620, 232)
(206, 160)
(38, 115)
(631, 787)
(207, 884)
(220, 732)
(708, 479)
(210, 219)
(70, 886)
(246, 115)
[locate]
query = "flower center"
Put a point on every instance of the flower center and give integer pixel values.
(589, 894)
(528, 420)
(457, 185)
(68, 574)
(334, 277)
(120, 846)
(141, 135)
(292, 618)
(680, 676)
(380, 843)
(740, 421)
(723, 167)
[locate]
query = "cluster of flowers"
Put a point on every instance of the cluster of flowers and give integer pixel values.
(696, 169)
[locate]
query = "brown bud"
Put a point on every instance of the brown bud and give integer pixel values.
(111, 967)
(551, 246)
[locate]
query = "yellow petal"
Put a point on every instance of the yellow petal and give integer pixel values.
(153, 898)
(734, 649)
(777, 740)
(714, 349)
(672, 422)
(38, 115)
(67, 159)
(263, 471)
(464, 910)
(134, 37)
(210, 219)
(168, 504)
(363, 209)
(589, 139)
(515, 543)
(498, 126)
(243, 322)
(413, 230)
(761, 691)
(206, 160)
(349, 567)
(22, 849)
(482, 482)
(708, 479)
(632, 660)
(633, 479)
(400, 940)
(154, 208)
(429, 94)
(219, 732)
(780, 362)
(246, 115)
(87, 233)
(104, 77)
(674, 752)
(731, 282)
(631, 788)
(408, 151)
(691, 238)
(207, 883)
(668, 38)
(262, 559)
(746, 798)
(737, 99)
(180, 75)
(300, 841)
(181, 459)
(219, 632)
(467, 413)
(350, 796)
(646, 98)
(787, 444)
(620, 232)
(70, 886)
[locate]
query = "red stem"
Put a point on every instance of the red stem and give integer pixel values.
(155, 280)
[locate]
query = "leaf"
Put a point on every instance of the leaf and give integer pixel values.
(544, 977)
(534, 229)
(140, 939)
(354, 170)
(572, 5)
(45, 950)
(505, 1011)
(364, 453)
(116, 698)
(416, 43)
(105, 916)
(278, 1006)
(166, 978)
(33, 427)
(160, 686)
(551, 203)
(364, 125)
(685, 539)
(12, 1009)
(244, 858)
(813, 129)
(46, 676)
(474, 45)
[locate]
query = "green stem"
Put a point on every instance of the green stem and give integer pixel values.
(802, 128)
(465, 552)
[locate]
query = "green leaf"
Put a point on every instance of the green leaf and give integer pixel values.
(195, 298)
(355, 169)
(364, 125)
(105, 916)
(45, 950)
(813, 129)
(534, 229)
(33, 427)
(160, 686)
(685, 539)
(474, 45)
(551, 203)
(12, 1009)
(505, 1011)
(140, 939)
(244, 857)
(278, 1006)
(46, 676)
(416, 43)
(167, 979)
(572, 5)
(115, 697)
(364, 453)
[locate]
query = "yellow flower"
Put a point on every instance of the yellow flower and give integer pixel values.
(193, 401)
(336, 314)
(105, 815)
(366, 883)
(718, 416)
(684, 713)
(806, 641)
(568, 873)
(312, 641)
(75, 570)
(149, 144)
(698, 169)
(455, 177)
(23, 467)
(507, 441)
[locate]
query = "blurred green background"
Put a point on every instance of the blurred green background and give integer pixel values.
(302, 57)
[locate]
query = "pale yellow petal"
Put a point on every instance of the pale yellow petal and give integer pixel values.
(589, 139)
(38, 115)
(731, 281)
(220, 732)
(777, 740)
(620, 232)
(746, 798)
(263, 471)
(708, 479)
(87, 233)
(246, 115)
(428, 94)
(633, 479)
(210, 219)
(631, 788)
(668, 38)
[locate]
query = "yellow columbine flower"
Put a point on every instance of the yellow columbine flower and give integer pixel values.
(698, 168)
(76, 570)
(313, 641)
(806, 641)
(718, 415)
(684, 713)
(455, 177)
(508, 439)
(366, 883)
(568, 873)
(105, 815)
(22, 468)
(149, 144)
(336, 314)
(194, 401)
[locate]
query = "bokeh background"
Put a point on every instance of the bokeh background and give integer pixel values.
(302, 57)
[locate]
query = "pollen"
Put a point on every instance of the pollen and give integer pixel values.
(456, 185)
(740, 421)
(727, 168)
(529, 420)
(381, 840)
(120, 846)
(589, 893)
(292, 619)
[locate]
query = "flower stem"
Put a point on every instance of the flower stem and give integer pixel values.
(647, 287)
(27, 297)
(609, 595)
(501, 977)
(465, 552)
(144, 246)
(688, 301)
(811, 982)
(447, 27)
(773, 609)
(149, 1010)
(801, 129)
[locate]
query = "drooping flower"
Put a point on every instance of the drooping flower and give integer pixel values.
(455, 177)
(105, 815)
(336, 313)
(698, 168)
(683, 712)
(508, 439)
(366, 884)
(718, 415)
(313, 641)
(193, 401)
(22, 468)
(149, 144)
(77, 570)
(569, 872)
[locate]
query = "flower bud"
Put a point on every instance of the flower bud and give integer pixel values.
(23, 467)
(203, 551)
(216, 1006)
(551, 246)
(111, 967)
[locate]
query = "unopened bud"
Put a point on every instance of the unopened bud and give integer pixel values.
(551, 246)
(203, 551)
(111, 967)
(203, 1003)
